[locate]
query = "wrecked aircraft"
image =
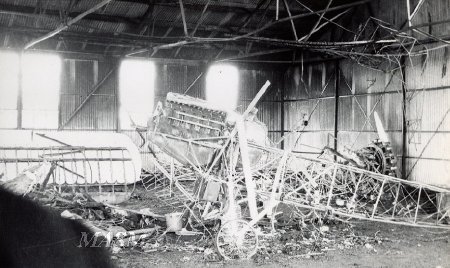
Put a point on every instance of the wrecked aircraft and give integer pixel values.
(240, 179)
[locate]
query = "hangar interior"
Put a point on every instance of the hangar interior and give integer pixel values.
(102, 67)
(338, 90)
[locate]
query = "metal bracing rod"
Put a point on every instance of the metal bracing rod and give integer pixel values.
(246, 166)
(155, 50)
(259, 53)
(183, 16)
(396, 199)
(328, 20)
(39, 159)
(417, 205)
(250, 16)
(96, 87)
(307, 15)
(64, 26)
(234, 131)
(200, 20)
(167, 174)
(378, 198)
(142, 27)
(439, 201)
(356, 187)
(367, 117)
(416, 10)
(428, 143)
(333, 180)
(319, 20)
(408, 10)
(247, 20)
(296, 128)
(410, 15)
(277, 11)
(324, 24)
(202, 17)
(294, 31)
(43, 135)
(193, 82)
(268, 25)
(70, 171)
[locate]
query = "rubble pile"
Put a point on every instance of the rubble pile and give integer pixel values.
(311, 241)
(133, 229)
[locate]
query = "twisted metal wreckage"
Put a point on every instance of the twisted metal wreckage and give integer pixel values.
(225, 169)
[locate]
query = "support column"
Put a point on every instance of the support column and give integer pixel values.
(404, 120)
(337, 79)
(283, 83)
(117, 96)
(20, 92)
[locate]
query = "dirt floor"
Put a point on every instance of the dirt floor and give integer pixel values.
(359, 244)
(320, 242)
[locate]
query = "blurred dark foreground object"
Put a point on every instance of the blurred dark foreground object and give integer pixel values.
(33, 236)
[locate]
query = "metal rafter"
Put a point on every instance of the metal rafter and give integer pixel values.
(183, 17)
(27, 10)
(64, 26)
(148, 15)
(202, 17)
(93, 38)
(247, 20)
(219, 6)
(330, 21)
(318, 21)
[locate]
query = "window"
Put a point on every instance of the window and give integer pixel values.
(41, 75)
(137, 86)
(222, 86)
(9, 88)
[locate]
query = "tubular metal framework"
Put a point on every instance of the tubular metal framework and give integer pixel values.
(231, 165)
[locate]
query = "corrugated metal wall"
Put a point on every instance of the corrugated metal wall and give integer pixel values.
(310, 91)
(269, 107)
(428, 118)
(100, 112)
(78, 80)
(428, 98)
(363, 91)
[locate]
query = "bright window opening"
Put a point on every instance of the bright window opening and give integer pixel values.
(9, 88)
(41, 77)
(137, 89)
(222, 82)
